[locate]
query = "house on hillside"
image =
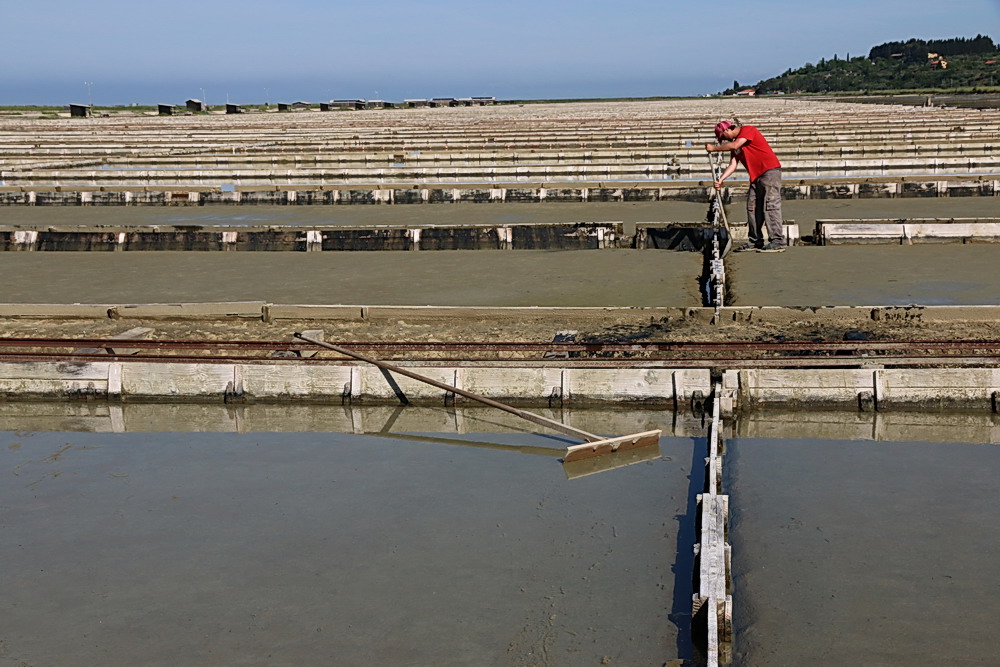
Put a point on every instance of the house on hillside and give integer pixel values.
(747, 92)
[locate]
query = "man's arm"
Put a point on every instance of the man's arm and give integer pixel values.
(733, 145)
(730, 169)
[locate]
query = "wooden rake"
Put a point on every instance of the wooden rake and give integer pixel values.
(594, 445)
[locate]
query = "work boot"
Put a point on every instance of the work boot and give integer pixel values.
(745, 247)
(773, 246)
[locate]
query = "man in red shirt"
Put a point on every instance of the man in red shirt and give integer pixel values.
(747, 146)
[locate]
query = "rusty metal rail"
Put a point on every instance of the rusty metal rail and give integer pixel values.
(513, 346)
(594, 354)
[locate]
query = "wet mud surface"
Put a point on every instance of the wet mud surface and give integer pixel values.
(321, 548)
(439, 278)
(926, 274)
(801, 276)
(862, 553)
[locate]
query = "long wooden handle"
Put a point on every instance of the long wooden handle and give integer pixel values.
(524, 414)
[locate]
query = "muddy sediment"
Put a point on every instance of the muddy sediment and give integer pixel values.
(801, 276)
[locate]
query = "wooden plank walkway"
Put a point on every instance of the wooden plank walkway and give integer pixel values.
(712, 609)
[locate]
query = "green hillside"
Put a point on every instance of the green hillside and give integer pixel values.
(969, 64)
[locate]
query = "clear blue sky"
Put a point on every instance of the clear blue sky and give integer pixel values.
(151, 52)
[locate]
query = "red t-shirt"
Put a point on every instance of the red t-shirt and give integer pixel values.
(756, 155)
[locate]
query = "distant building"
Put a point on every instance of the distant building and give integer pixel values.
(165, 109)
(284, 106)
(300, 105)
(196, 105)
(356, 105)
(377, 104)
(444, 102)
(484, 101)
(748, 92)
(80, 110)
(414, 103)
(233, 108)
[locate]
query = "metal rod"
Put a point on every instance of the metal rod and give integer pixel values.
(718, 193)
(517, 346)
(524, 414)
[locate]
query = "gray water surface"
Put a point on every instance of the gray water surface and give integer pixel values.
(864, 553)
(334, 549)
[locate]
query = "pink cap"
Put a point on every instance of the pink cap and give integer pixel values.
(721, 127)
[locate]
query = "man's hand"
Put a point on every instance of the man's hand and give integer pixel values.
(709, 148)
(717, 185)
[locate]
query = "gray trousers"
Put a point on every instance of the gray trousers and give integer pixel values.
(764, 209)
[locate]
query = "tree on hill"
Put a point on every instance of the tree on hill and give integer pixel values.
(917, 49)
(959, 62)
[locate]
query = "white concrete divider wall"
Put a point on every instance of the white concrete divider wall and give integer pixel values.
(873, 388)
(341, 381)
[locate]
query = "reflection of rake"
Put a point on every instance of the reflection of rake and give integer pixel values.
(573, 469)
(595, 445)
(719, 213)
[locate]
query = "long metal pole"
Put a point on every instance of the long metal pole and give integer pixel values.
(524, 414)
(718, 193)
